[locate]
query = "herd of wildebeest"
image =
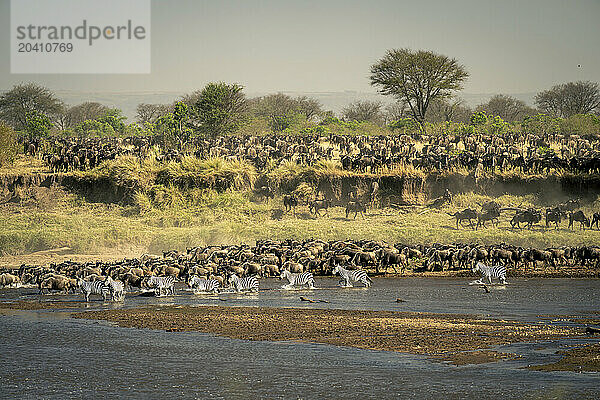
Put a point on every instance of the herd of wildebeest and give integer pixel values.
(528, 153)
(269, 258)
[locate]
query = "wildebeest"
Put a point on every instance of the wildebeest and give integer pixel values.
(290, 202)
(468, 214)
(554, 215)
(7, 279)
(316, 206)
(529, 217)
(265, 192)
(580, 217)
(491, 214)
(595, 220)
(357, 207)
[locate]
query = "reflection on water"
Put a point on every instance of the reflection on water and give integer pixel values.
(52, 358)
(48, 355)
(520, 299)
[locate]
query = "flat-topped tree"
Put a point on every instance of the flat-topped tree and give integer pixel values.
(417, 77)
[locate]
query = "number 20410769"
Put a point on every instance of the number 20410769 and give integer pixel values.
(49, 47)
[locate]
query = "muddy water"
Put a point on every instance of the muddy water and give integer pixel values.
(46, 354)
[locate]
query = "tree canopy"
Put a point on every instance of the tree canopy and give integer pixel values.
(417, 77)
(25, 99)
(363, 110)
(569, 99)
(507, 107)
(220, 108)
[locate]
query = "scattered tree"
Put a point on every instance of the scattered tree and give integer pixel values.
(149, 113)
(282, 111)
(569, 99)
(77, 114)
(418, 78)
(448, 110)
(507, 107)
(363, 110)
(26, 98)
(396, 111)
(220, 108)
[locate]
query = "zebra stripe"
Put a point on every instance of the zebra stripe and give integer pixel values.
(115, 288)
(349, 276)
(162, 284)
(299, 279)
(95, 287)
(489, 272)
(247, 283)
(203, 285)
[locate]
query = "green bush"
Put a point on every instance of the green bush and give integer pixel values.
(8, 145)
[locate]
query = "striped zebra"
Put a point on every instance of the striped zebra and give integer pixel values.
(348, 276)
(489, 272)
(162, 284)
(249, 283)
(95, 287)
(115, 288)
(299, 279)
(203, 285)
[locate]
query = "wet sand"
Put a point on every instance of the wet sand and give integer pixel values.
(579, 359)
(438, 335)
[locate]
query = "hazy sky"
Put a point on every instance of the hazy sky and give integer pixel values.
(329, 45)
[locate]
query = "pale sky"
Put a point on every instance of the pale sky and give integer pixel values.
(329, 45)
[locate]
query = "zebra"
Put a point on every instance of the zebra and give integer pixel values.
(248, 283)
(203, 285)
(489, 272)
(349, 276)
(162, 283)
(300, 279)
(115, 288)
(95, 287)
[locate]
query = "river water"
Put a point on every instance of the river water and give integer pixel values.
(46, 354)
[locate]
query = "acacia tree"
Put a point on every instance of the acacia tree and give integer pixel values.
(281, 111)
(569, 99)
(507, 107)
(418, 78)
(220, 108)
(148, 113)
(448, 110)
(363, 110)
(24, 99)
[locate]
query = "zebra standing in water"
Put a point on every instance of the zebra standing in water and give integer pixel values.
(95, 287)
(203, 285)
(115, 288)
(349, 276)
(162, 283)
(489, 272)
(240, 284)
(300, 279)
